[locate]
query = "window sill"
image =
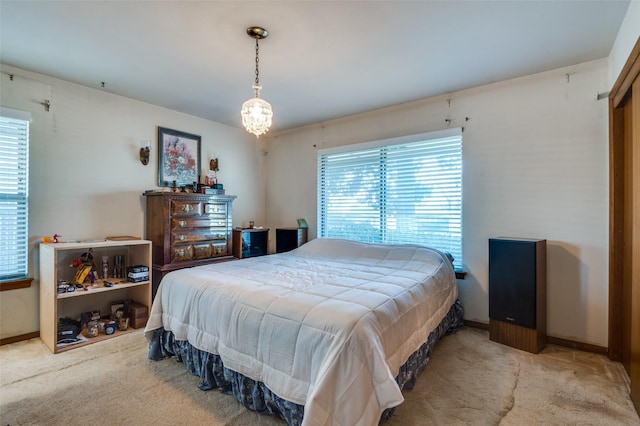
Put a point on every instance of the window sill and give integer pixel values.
(460, 274)
(15, 284)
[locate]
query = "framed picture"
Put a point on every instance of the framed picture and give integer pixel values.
(178, 157)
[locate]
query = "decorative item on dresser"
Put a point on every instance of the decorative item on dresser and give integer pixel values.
(187, 229)
(250, 242)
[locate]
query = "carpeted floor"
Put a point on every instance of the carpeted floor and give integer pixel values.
(468, 381)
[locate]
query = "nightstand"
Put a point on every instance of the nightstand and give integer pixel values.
(250, 242)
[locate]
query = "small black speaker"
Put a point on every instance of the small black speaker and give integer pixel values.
(288, 239)
(513, 280)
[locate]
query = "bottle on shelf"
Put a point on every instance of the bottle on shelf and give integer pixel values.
(105, 267)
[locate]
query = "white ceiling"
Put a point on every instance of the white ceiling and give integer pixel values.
(322, 59)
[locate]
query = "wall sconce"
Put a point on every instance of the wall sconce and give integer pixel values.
(145, 151)
(211, 178)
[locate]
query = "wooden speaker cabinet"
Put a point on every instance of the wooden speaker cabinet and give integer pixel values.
(518, 293)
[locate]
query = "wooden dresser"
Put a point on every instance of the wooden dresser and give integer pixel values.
(187, 229)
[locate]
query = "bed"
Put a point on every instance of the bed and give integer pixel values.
(326, 334)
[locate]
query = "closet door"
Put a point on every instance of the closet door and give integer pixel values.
(634, 326)
(624, 217)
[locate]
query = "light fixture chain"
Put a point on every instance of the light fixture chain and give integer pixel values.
(256, 112)
(257, 60)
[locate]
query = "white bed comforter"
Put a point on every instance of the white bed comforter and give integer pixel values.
(327, 325)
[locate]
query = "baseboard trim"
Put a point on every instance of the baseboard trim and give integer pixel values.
(475, 324)
(586, 347)
(14, 339)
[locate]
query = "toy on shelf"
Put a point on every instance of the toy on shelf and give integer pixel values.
(85, 268)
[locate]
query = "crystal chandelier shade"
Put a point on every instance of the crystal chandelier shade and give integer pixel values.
(256, 113)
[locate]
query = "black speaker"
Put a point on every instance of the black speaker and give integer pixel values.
(513, 280)
(288, 239)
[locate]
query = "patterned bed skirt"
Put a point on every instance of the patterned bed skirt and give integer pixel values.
(258, 397)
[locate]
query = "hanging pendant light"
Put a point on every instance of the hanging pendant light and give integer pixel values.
(256, 112)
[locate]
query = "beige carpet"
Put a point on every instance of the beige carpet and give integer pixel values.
(469, 381)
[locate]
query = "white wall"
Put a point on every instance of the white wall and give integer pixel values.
(535, 160)
(626, 39)
(86, 179)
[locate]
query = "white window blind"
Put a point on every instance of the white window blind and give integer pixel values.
(406, 190)
(14, 196)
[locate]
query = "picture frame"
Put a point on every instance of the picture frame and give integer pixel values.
(178, 157)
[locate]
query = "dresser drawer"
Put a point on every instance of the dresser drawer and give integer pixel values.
(190, 235)
(182, 253)
(219, 249)
(197, 251)
(178, 223)
(202, 251)
(187, 208)
(209, 249)
(215, 209)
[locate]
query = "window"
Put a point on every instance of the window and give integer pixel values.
(403, 190)
(14, 193)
